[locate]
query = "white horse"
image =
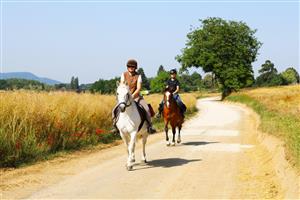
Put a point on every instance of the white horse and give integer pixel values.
(128, 124)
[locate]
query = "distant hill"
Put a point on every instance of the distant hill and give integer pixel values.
(28, 76)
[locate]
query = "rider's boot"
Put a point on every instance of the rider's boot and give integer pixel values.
(150, 128)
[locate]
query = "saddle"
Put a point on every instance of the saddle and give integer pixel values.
(143, 114)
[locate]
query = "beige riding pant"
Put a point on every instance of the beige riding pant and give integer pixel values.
(145, 106)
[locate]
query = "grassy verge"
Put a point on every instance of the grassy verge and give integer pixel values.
(285, 126)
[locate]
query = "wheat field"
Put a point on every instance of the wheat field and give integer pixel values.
(34, 124)
(285, 100)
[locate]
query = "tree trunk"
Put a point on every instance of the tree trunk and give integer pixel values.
(226, 92)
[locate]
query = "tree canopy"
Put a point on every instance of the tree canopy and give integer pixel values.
(158, 83)
(226, 48)
(290, 76)
(268, 75)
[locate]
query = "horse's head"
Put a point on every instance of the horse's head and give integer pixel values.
(123, 97)
(168, 97)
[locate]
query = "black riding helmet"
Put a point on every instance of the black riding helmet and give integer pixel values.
(173, 71)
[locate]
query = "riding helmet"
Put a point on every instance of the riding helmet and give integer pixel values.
(132, 63)
(173, 71)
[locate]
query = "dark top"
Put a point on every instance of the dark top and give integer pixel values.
(172, 84)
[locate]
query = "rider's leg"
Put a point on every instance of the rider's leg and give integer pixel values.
(180, 103)
(160, 109)
(148, 116)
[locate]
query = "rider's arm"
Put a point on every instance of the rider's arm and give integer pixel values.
(177, 90)
(136, 93)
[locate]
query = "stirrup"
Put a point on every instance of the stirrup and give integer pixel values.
(151, 130)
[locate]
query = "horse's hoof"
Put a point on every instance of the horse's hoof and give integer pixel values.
(173, 143)
(144, 161)
(178, 141)
(129, 168)
(168, 143)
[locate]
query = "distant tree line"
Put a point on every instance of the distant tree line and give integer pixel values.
(188, 82)
(268, 76)
(15, 84)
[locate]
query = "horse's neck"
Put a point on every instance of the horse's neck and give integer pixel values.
(173, 104)
(132, 108)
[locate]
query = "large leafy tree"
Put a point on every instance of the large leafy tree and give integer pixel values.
(290, 76)
(226, 48)
(268, 75)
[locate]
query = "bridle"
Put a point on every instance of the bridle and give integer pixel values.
(125, 102)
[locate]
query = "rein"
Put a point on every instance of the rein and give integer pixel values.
(126, 105)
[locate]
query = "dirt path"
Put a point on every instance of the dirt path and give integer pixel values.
(219, 158)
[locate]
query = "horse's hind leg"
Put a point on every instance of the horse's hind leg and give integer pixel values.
(179, 137)
(174, 132)
(145, 135)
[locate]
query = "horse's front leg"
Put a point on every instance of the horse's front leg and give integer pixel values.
(167, 137)
(179, 137)
(131, 148)
(145, 135)
(125, 140)
(174, 132)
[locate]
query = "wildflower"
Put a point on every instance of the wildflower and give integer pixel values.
(99, 131)
(18, 145)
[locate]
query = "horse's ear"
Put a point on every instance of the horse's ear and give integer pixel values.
(117, 83)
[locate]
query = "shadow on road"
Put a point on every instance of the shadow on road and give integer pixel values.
(168, 162)
(198, 143)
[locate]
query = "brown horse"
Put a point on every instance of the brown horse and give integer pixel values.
(172, 115)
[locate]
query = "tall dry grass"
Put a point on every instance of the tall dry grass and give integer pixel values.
(285, 100)
(35, 124)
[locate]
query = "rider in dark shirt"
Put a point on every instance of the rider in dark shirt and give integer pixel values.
(173, 85)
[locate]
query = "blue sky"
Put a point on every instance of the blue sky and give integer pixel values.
(94, 39)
